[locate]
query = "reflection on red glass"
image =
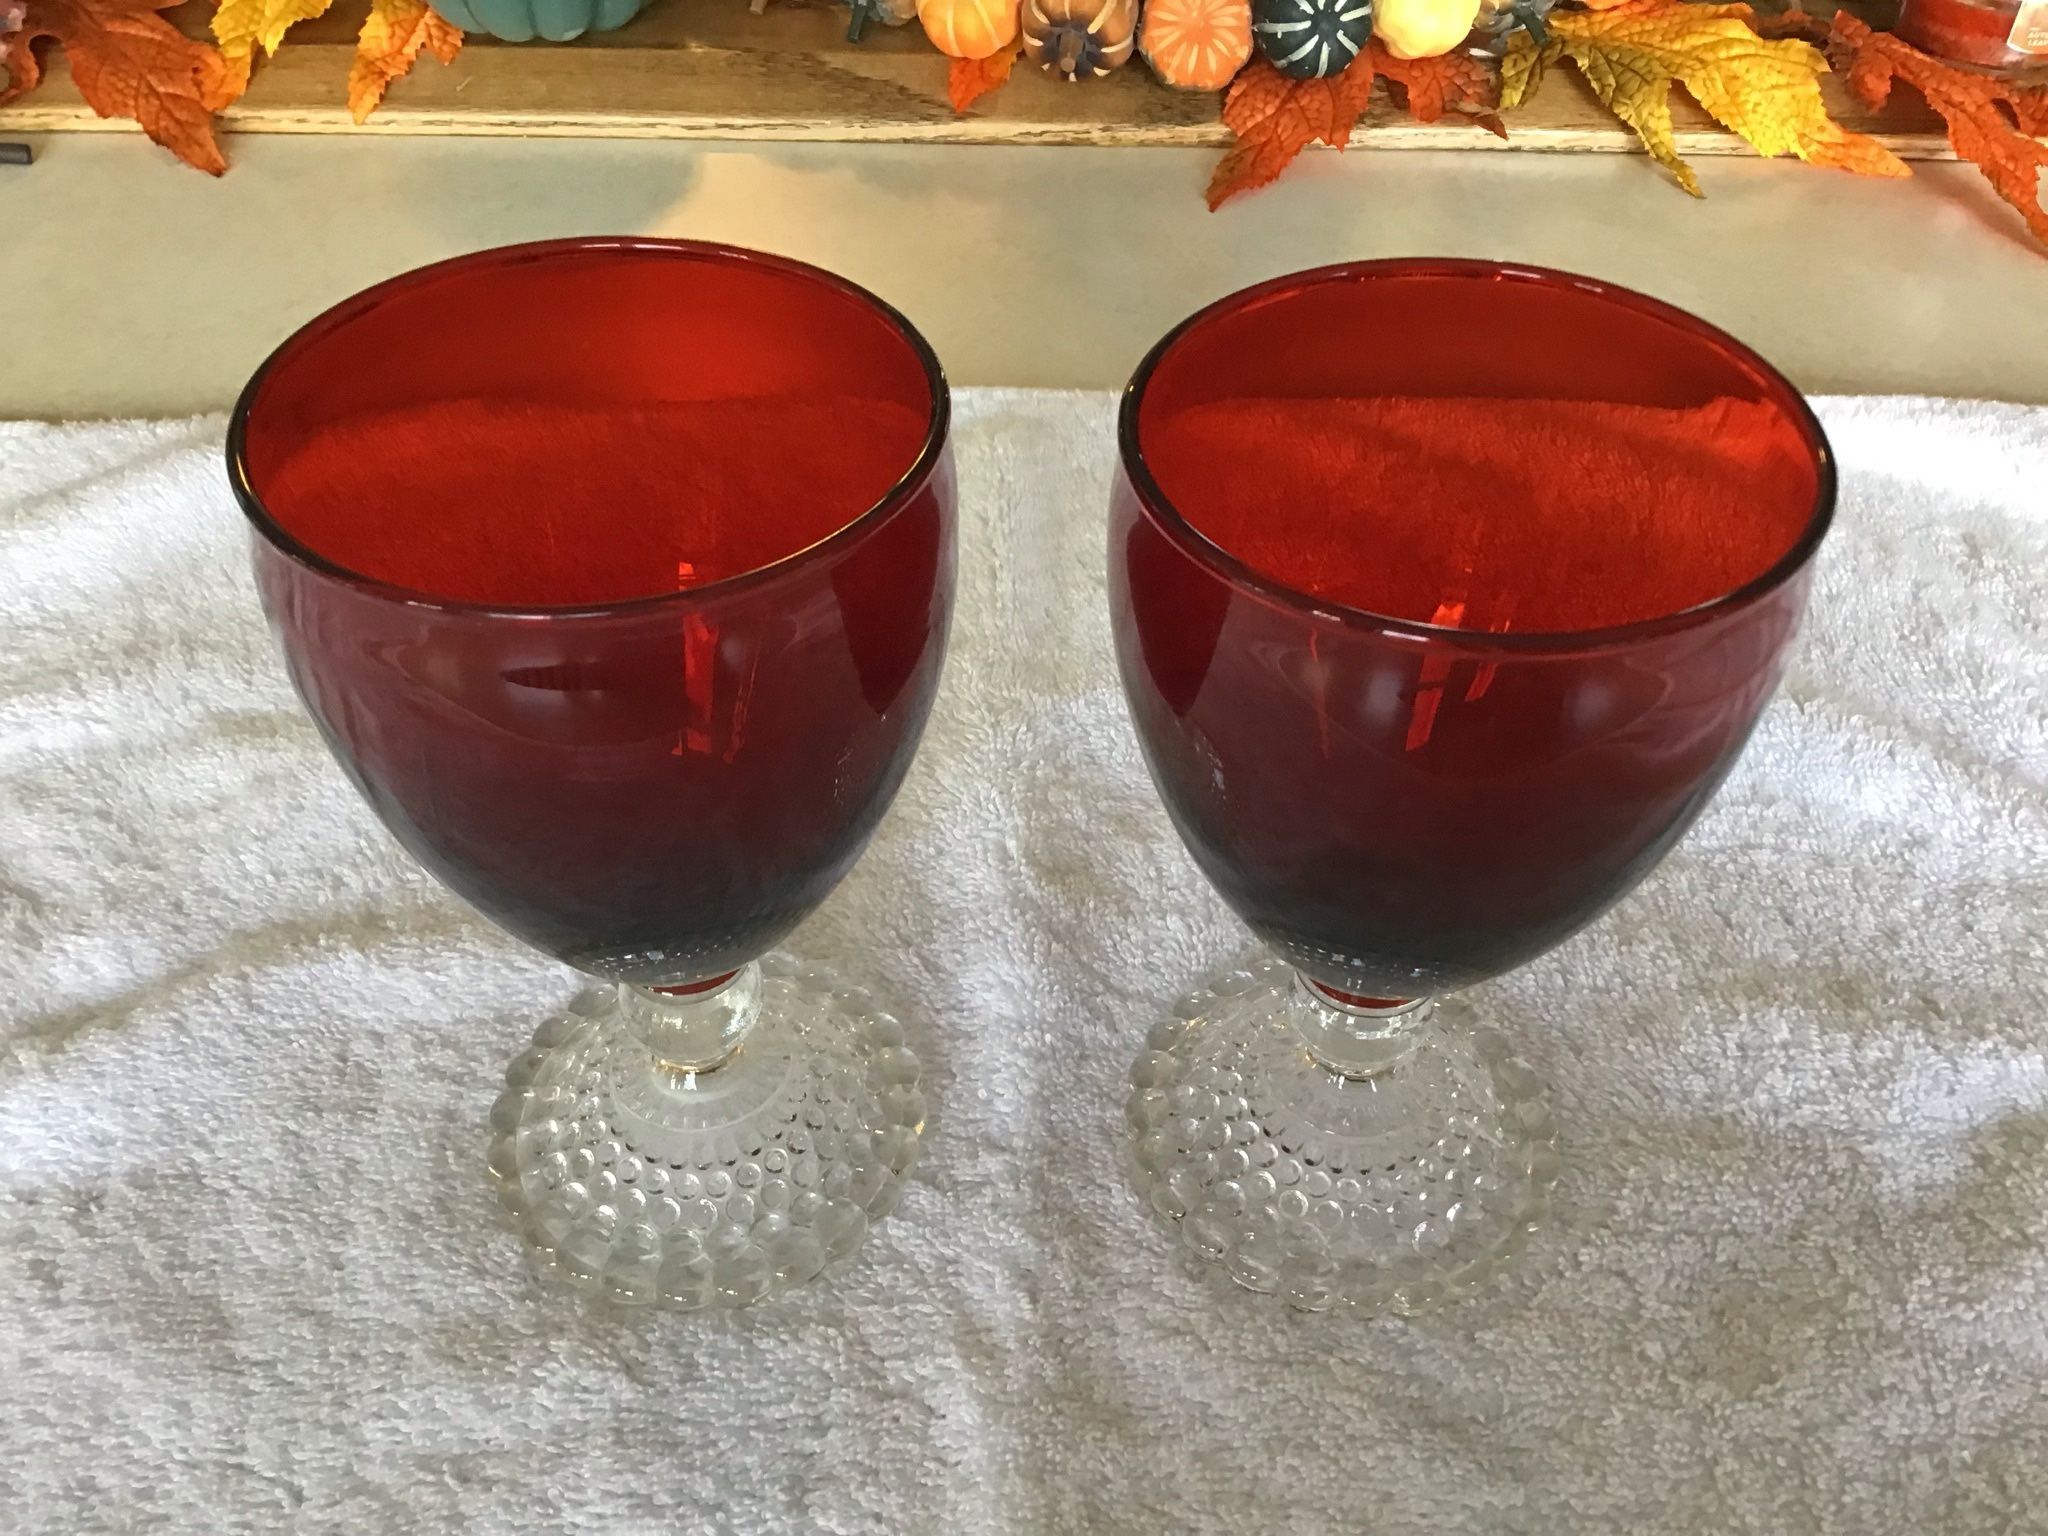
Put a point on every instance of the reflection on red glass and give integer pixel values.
(1371, 650)
(653, 788)
(489, 500)
(1496, 515)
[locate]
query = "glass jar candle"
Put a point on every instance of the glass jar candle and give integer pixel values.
(2004, 35)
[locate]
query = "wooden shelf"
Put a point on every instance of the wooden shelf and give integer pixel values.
(710, 69)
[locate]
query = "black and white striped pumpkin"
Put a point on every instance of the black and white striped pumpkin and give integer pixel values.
(1310, 38)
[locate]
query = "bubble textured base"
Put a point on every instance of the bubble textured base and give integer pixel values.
(1389, 1193)
(658, 1187)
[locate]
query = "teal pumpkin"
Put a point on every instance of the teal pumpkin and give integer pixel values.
(1311, 39)
(517, 21)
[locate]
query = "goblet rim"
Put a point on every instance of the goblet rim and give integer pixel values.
(904, 490)
(1159, 507)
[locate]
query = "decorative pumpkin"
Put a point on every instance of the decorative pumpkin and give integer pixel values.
(518, 21)
(1311, 38)
(969, 29)
(1080, 38)
(1197, 45)
(1422, 29)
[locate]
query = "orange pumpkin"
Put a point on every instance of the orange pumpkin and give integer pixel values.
(1197, 45)
(969, 29)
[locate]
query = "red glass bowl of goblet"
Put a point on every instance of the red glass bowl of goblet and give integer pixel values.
(617, 574)
(1445, 594)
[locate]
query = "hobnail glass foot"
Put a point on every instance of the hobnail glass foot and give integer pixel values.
(651, 1184)
(1394, 1191)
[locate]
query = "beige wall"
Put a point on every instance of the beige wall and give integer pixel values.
(135, 286)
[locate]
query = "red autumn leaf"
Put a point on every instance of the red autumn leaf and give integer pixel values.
(1274, 119)
(1450, 82)
(127, 61)
(1991, 122)
(968, 80)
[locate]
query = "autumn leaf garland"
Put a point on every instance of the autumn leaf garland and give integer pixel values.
(393, 36)
(1995, 125)
(128, 61)
(1767, 91)
(1757, 76)
(1274, 117)
(1631, 53)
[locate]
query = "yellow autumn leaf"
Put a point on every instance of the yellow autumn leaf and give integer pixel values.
(392, 38)
(240, 26)
(1766, 90)
(1522, 67)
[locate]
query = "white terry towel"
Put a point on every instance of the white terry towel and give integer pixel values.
(251, 1276)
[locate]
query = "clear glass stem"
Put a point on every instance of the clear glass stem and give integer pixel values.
(691, 1032)
(1355, 1039)
(708, 1147)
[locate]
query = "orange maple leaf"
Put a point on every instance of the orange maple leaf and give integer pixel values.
(1991, 122)
(393, 36)
(1275, 118)
(127, 61)
(223, 87)
(968, 80)
(1449, 82)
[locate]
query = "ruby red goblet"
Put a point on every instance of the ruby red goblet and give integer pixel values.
(651, 777)
(1409, 800)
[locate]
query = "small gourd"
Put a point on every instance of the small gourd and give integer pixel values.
(1080, 39)
(1197, 45)
(969, 29)
(1311, 38)
(1422, 29)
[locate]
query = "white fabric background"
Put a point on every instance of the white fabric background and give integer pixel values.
(251, 1276)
